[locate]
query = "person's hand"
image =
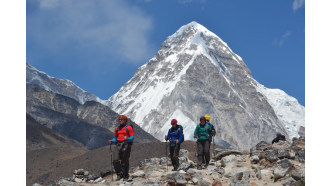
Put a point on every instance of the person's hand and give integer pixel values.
(177, 141)
(195, 136)
(125, 137)
(213, 132)
(165, 137)
(110, 142)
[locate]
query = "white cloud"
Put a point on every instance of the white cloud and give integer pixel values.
(298, 4)
(110, 27)
(280, 41)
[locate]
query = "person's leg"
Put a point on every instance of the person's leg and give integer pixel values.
(125, 160)
(116, 162)
(207, 152)
(176, 156)
(199, 154)
(172, 148)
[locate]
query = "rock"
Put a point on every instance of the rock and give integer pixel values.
(228, 160)
(185, 166)
(78, 180)
(261, 145)
(98, 179)
(282, 153)
(86, 173)
(217, 183)
(254, 159)
(281, 170)
(194, 180)
(298, 183)
(292, 154)
(219, 170)
(271, 155)
(180, 179)
(139, 173)
(164, 160)
(288, 181)
(36, 184)
(301, 155)
(204, 182)
(258, 173)
(183, 153)
(224, 153)
(151, 183)
(149, 162)
(297, 175)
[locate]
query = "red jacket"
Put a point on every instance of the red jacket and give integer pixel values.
(121, 132)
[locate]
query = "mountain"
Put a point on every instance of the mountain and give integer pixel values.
(91, 123)
(59, 86)
(287, 109)
(195, 73)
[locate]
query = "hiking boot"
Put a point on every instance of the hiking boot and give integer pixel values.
(125, 179)
(206, 165)
(119, 177)
(175, 169)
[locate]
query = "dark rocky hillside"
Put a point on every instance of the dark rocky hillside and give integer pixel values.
(92, 124)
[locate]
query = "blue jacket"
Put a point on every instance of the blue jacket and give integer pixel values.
(174, 134)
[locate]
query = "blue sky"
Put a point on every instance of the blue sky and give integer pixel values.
(100, 44)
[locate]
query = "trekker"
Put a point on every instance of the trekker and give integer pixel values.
(279, 137)
(124, 136)
(202, 133)
(208, 117)
(175, 136)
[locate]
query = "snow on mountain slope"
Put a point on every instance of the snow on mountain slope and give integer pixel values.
(287, 109)
(60, 86)
(195, 73)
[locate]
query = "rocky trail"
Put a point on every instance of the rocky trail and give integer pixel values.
(280, 164)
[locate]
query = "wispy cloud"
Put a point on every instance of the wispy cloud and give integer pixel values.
(280, 41)
(191, 1)
(106, 27)
(297, 4)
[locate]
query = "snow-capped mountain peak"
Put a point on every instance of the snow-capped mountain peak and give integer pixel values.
(195, 73)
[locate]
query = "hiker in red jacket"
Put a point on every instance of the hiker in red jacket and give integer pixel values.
(124, 136)
(279, 137)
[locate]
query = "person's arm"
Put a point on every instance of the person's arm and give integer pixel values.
(130, 133)
(168, 134)
(196, 132)
(180, 135)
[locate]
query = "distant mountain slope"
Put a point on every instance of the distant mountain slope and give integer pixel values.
(60, 86)
(195, 73)
(287, 109)
(45, 149)
(92, 124)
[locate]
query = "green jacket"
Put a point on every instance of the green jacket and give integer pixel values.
(203, 132)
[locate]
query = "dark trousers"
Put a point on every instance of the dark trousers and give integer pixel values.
(121, 159)
(203, 151)
(174, 154)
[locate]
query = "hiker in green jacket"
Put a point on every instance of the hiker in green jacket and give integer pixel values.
(202, 133)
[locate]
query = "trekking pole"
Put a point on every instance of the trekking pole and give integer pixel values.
(111, 166)
(166, 156)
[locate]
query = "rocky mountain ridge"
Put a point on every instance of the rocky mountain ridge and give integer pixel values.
(92, 123)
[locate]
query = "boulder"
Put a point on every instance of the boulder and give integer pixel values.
(224, 153)
(282, 153)
(271, 155)
(301, 155)
(281, 170)
(287, 182)
(139, 173)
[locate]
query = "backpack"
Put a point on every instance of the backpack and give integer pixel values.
(125, 129)
(180, 127)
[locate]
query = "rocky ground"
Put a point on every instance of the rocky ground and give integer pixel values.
(266, 164)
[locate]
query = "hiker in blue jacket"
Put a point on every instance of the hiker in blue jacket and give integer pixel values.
(175, 136)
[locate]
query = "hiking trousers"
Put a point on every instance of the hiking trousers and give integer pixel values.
(174, 154)
(121, 159)
(203, 152)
